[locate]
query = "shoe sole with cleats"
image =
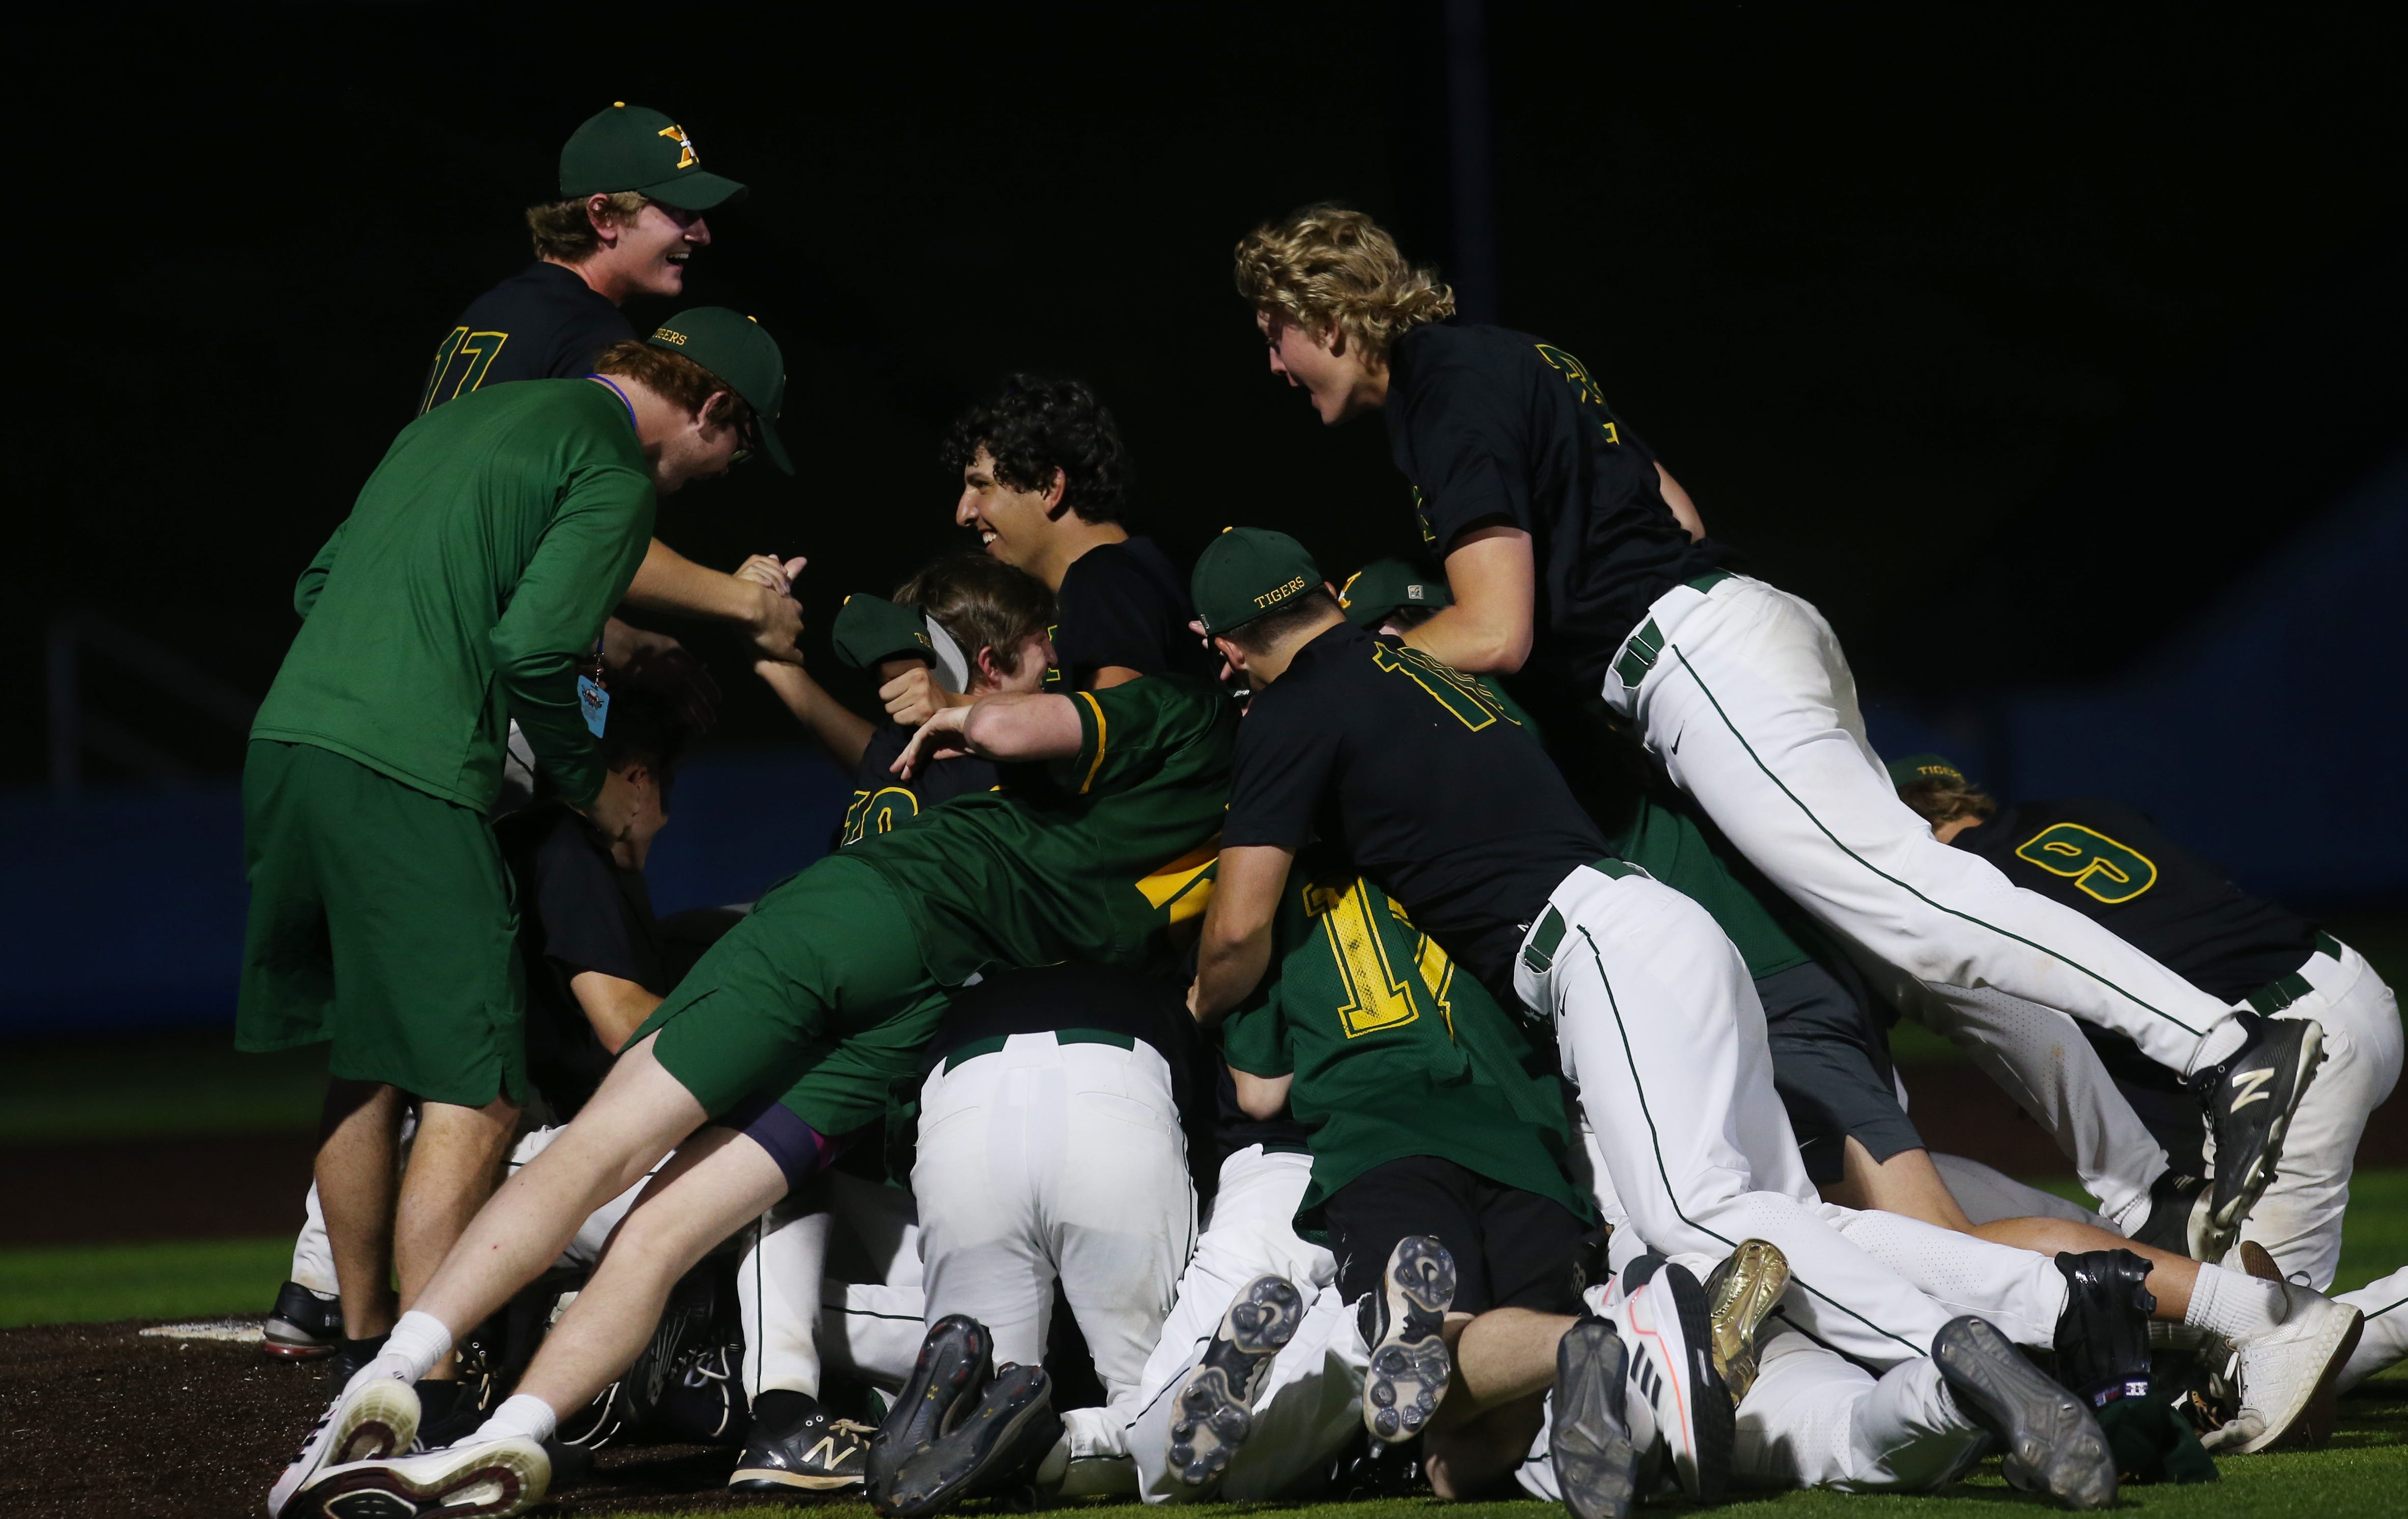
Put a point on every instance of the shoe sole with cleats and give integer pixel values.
(1215, 1416)
(2050, 1442)
(1589, 1440)
(1409, 1365)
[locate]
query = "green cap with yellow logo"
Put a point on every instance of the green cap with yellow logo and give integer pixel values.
(869, 630)
(740, 351)
(631, 148)
(1914, 767)
(1385, 585)
(1248, 571)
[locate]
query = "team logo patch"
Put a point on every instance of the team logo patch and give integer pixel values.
(687, 157)
(668, 335)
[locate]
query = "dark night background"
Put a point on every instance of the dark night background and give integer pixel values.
(2010, 337)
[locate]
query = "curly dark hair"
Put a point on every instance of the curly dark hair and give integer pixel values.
(1035, 425)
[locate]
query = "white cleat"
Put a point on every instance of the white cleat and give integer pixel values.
(377, 1418)
(490, 1479)
(2287, 1375)
(1676, 1395)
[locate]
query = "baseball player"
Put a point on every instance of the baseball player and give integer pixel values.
(1573, 568)
(501, 530)
(825, 992)
(1454, 810)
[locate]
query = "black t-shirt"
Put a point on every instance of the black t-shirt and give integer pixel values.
(882, 798)
(578, 910)
(2112, 862)
(1126, 603)
(1494, 427)
(1442, 801)
(543, 322)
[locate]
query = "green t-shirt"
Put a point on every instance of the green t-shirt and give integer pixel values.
(1093, 863)
(474, 571)
(1672, 840)
(1394, 1054)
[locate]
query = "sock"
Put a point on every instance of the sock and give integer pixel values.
(2234, 1304)
(520, 1414)
(780, 1410)
(2218, 1044)
(411, 1352)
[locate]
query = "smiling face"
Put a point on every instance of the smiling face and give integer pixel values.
(1324, 367)
(1012, 524)
(653, 251)
(1036, 656)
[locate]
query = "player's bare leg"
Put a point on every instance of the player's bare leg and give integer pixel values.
(1907, 1182)
(358, 1173)
(454, 1164)
(1504, 1362)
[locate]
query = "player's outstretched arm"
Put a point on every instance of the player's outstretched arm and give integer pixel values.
(668, 581)
(1494, 579)
(1236, 947)
(1009, 729)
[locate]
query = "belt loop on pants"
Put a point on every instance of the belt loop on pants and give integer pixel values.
(2283, 991)
(993, 1044)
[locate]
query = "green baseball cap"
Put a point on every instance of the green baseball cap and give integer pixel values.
(1248, 571)
(1914, 767)
(869, 630)
(1382, 586)
(632, 147)
(740, 351)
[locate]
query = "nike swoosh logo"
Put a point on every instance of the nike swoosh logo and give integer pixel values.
(2252, 1085)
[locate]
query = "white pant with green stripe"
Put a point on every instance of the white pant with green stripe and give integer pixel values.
(1744, 695)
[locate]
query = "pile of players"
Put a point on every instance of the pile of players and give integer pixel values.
(1431, 1030)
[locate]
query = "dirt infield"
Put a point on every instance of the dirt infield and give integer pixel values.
(101, 1423)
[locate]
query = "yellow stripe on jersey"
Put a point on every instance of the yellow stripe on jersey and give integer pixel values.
(1185, 884)
(1098, 707)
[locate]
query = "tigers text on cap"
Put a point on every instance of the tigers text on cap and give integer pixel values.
(1914, 767)
(631, 148)
(1384, 585)
(1248, 571)
(869, 630)
(740, 351)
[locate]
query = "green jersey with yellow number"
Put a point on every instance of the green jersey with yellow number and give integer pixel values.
(1394, 1053)
(1093, 861)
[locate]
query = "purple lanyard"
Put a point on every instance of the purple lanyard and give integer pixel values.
(623, 398)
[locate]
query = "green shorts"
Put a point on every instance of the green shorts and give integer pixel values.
(820, 993)
(382, 920)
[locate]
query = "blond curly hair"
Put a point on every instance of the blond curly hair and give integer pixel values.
(1329, 266)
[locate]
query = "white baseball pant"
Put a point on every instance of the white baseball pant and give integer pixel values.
(1742, 692)
(2384, 1344)
(1987, 1194)
(782, 1289)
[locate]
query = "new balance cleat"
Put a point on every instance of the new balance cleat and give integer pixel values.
(1665, 1322)
(2287, 1375)
(2182, 1219)
(1589, 1440)
(994, 1448)
(1740, 1292)
(304, 1324)
(1215, 1403)
(490, 1479)
(1409, 1364)
(806, 1449)
(956, 1358)
(2051, 1442)
(375, 1419)
(2250, 1098)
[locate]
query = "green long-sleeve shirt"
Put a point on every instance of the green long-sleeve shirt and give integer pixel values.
(474, 569)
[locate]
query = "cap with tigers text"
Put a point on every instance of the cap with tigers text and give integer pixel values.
(740, 351)
(1248, 571)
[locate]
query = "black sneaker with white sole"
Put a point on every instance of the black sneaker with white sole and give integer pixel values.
(956, 1357)
(1589, 1435)
(2182, 1219)
(2250, 1098)
(490, 1479)
(2049, 1439)
(1668, 1325)
(995, 1447)
(303, 1326)
(798, 1446)
(1410, 1365)
(1214, 1409)
(378, 1418)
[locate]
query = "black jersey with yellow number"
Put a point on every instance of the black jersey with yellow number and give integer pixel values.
(1126, 604)
(1437, 794)
(542, 323)
(2113, 864)
(882, 799)
(1493, 427)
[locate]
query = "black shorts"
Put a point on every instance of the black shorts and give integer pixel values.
(1511, 1249)
(1830, 1063)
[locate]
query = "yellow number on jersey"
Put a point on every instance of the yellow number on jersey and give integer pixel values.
(2097, 864)
(1376, 997)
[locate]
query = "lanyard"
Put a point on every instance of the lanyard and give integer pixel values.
(622, 395)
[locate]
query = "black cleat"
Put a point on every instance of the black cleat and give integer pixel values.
(996, 1448)
(447, 1414)
(2051, 1442)
(1595, 1464)
(350, 1355)
(2102, 1337)
(685, 1323)
(303, 1326)
(956, 1358)
(703, 1403)
(1410, 1365)
(1216, 1400)
(797, 1445)
(2250, 1098)
(2182, 1219)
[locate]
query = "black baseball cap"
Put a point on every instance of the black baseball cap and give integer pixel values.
(636, 148)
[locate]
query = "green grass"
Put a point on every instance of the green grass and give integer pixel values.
(170, 1084)
(179, 1280)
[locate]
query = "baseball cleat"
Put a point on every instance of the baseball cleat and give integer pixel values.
(811, 1450)
(487, 1479)
(1670, 1330)
(2250, 1098)
(1589, 1439)
(375, 1419)
(956, 1360)
(1740, 1292)
(2182, 1219)
(1409, 1364)
(2103, 1338)
(997, 1444)
(2287, 1375)
(2050, 1441)
(1215, 1403)
(304, 1324)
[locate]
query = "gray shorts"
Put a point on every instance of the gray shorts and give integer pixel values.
(1830, 1063)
